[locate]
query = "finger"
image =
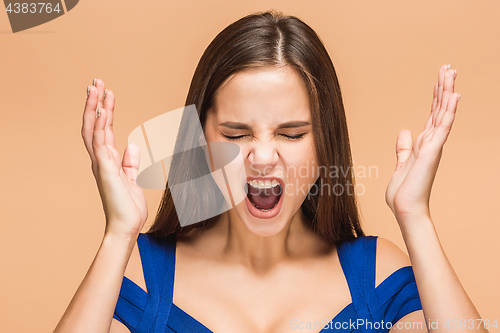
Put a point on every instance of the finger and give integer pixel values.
(89, 118)
(99, 84)
(131, 159)
(109, 105)
(448, 89)
(428, 124)
(444, 127)
(403, 147)
(434, 97)
(442, 72)
(99, 142)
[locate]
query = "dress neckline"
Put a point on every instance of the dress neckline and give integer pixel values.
(187, 316)
(357, 259)
(201, 328)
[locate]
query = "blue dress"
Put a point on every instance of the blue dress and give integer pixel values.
(371, 310)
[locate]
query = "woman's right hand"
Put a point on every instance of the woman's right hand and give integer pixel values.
(123, 201)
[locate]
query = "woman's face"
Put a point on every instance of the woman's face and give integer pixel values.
(266, 112)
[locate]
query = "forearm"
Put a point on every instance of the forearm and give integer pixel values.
(442, 296)
(93, 305)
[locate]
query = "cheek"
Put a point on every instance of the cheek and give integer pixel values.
(302, 155)
(301, 167)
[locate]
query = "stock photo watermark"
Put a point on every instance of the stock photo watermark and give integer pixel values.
(340, 174)
(24, 15)
(370, 325)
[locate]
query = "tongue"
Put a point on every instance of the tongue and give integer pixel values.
(264, 198)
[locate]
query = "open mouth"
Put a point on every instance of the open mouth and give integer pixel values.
(264, 194)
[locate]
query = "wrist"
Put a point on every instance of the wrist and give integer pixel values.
(120, 239)
(414, 222)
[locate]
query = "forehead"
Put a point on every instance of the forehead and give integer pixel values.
(268, 94)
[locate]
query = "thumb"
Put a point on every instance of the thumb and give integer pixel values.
(403, 147)
(131, 161)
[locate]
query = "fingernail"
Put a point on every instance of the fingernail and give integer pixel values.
(106, 91)
(459, 95)
(455, 74)
(98, 112)
(88, 91)
(93, 82)
(449, 66)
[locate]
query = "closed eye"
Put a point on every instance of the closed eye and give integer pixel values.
(293, 137)
(289, 137)
(233, 137)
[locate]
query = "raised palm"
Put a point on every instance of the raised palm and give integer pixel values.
(409, 189)
(123, 200)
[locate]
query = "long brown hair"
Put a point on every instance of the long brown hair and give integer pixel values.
(272, 39)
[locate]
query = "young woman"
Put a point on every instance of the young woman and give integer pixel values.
(280, 261)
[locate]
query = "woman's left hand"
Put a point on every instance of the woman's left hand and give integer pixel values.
(409, 190)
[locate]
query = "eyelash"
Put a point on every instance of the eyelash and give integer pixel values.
(295, 137)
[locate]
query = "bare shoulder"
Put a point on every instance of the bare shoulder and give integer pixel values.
(389, 259)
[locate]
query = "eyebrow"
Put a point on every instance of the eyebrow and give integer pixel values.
(241, 126)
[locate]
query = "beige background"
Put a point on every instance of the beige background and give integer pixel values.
(386, 53)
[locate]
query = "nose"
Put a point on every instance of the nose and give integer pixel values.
(263, 157)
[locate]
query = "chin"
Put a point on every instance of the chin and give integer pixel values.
(266, 228)
(261, 224)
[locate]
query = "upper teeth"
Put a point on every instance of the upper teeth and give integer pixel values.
(263, 183)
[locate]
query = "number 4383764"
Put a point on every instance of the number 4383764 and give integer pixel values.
(471, 323)
(32, 8)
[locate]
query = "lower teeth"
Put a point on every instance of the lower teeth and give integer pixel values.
(264, 210)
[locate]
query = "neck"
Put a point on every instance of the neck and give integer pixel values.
(260, 253)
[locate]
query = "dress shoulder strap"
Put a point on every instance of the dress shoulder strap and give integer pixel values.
(158, 262)
(358, 260)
